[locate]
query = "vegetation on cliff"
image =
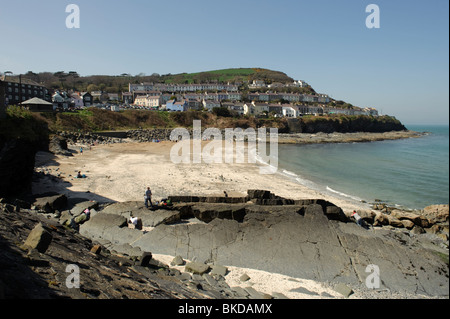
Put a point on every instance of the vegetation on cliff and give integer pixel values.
(351, 123)
(21, 124)
(97, 120)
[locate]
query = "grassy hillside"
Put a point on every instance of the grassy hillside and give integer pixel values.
(119, 83)
(229, 75)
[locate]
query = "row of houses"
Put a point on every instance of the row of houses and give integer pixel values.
(263, 109)
(182, 88)
(64, 100)
(258, 84)
(150, 98)
(290, 97)
(191, 87)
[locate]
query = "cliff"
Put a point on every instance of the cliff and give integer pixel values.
(345, 124)
(21, 136)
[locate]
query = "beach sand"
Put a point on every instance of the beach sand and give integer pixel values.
(122, 172)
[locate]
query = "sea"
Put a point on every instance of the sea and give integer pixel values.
(409, 173)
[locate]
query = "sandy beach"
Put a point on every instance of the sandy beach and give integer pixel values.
(122, 172)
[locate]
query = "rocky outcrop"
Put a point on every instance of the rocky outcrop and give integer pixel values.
(349, 124)
(58, 145)
(38, 257)
(304, 239)
(436, 213)
(433, 220)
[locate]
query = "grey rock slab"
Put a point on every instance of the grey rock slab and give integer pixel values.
(302, 242)
(197, 268)
(344, 290)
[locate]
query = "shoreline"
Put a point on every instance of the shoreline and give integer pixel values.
(356, 137)
(86, 140)
(121, 173)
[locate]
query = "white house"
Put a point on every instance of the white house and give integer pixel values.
(181, 106)
(61, 100)
(257, 84)
(300, 83)
(290, 111)
(149, 101)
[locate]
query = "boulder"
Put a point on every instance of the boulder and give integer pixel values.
(197, 268)
(79, 208)
(66, 217)
(145, 259)
(380, 219)
(177, 261)
(395, 222)
(344, 290)
(39, 239)
(407, 223)
(367, 216)
(219, 270)
(434, 229)
(415, 218)
(335, 213)
(51, 203)
(402, 215)
(58, 145)
(417, 230)
(436, 213)
(96, 249)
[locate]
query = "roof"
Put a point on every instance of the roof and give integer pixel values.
(16, 79)
(35, 101)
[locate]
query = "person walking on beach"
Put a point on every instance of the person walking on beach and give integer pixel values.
(148, 197)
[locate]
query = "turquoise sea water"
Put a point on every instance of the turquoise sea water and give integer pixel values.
(412, 173)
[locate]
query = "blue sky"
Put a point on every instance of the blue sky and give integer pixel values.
(402, 68)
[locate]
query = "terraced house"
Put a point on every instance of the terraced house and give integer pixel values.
(149, 101)
(18, 90)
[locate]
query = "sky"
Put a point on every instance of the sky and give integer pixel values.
(400, 68)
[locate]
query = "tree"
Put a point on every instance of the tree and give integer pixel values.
(221, 111)
(92, 87)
